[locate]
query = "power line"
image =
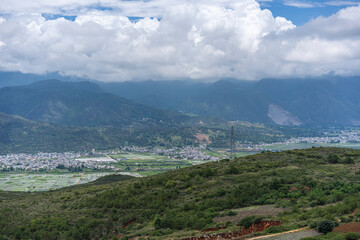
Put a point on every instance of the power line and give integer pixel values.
(232, 144)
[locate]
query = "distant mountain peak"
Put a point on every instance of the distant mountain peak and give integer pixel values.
(52, 84)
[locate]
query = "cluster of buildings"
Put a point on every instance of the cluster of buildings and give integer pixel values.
(340, 137)
(93, 160)
(51, 161)
(184, 153)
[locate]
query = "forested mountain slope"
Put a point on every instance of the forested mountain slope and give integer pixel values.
(320, 101)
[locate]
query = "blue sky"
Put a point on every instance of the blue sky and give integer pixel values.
(298, 11)
(301, 12)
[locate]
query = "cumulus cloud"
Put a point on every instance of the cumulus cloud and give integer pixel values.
(313, 4)
(206, 40)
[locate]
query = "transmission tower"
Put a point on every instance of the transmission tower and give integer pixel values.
(232, 144)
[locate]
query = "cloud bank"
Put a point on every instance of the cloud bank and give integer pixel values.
(206, 40)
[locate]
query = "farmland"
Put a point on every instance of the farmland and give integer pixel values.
(136, 164)
(45, 181)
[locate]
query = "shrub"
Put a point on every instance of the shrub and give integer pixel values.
(314, 224)
(352, 236)
(246, 222)
(231, 213)
(349, 160)
(325, 226)
(232, 170)
(333, 158)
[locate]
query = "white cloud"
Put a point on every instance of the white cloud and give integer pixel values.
(300, 4)
(312, 4)
(205, 40)
(342, 3)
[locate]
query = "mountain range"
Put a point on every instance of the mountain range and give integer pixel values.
(328, 100)
(80, 104)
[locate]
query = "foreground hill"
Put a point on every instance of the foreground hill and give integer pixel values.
(80, 103)
(175, 204)
(325, 100)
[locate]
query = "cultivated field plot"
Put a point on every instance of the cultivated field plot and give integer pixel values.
(147, 164)
(138, 156)
(291, 146)
(44, 182)
(348, 227)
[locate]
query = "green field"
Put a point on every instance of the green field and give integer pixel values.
(44, 182)
(291, 146)
(133, 164)
(147, 164)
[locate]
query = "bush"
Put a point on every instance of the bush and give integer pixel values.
(314, 224)
(333, 158)
(246, 222)
(325, 226)
(232, 170)
(349, 160)
(231, 213)
(352, 236)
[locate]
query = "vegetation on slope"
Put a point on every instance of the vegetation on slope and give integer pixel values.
(18, 134)
(190, 198)
(21, 135)
(81, 104)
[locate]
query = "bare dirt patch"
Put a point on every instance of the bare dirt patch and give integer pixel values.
(264, 210)
(202, 138)
(348, 227)
(290, 235)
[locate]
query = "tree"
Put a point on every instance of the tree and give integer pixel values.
(325, 226)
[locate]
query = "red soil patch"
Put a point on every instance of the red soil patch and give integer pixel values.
(257, 227)
(129, 222)
(349, 227)
(202, 138)
(213, 229)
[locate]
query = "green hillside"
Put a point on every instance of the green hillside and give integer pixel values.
(312, 184)
(19, 135)
(81, 104)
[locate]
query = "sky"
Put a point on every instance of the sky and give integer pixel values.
(203, 40)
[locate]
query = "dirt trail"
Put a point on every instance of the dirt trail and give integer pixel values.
(277, 234)
(82, 175)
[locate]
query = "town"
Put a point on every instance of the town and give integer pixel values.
(97, 161)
